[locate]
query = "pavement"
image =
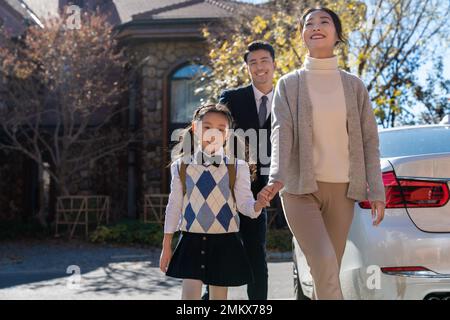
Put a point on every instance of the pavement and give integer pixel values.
(59, 270)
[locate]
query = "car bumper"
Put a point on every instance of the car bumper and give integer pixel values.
(381, 286)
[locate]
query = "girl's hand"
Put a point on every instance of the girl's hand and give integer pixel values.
(264, 197)
(377, 212)
(259, 205)
(164, 260)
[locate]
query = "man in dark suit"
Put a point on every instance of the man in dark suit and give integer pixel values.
(251, 108)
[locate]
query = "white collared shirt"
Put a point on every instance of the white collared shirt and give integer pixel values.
(219, 152)
(242, 189)
(258, 99)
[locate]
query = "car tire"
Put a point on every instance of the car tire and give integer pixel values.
(298, 291)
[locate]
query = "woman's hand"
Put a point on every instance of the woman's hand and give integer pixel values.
(377, 212)
(273, 188)
(164, 260)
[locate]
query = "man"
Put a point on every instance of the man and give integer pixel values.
(251, 107)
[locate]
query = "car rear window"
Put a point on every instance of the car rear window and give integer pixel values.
(414, 141)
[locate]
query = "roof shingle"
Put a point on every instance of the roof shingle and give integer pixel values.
(127, 10)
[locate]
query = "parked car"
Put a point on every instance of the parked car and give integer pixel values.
(408, 255)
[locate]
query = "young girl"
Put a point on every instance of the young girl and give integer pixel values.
(208, 188)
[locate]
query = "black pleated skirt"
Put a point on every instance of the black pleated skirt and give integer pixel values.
(215, 259)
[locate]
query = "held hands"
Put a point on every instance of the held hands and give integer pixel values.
(269, 191)
(266, 195)
(262, 200)
(272, 189)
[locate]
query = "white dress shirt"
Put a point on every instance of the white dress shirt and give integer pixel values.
(242, 190)
(258, 99)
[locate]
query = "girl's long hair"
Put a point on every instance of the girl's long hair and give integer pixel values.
(185, 147)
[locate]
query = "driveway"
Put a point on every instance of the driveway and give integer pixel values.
(77, 270)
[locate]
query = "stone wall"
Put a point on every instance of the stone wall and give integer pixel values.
(164, 58)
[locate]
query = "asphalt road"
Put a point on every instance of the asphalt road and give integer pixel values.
(76, 270)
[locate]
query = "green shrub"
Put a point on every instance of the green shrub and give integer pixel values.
(279, 240)
(18, 229)
(130, 232)
(125, 232)
(136, 232)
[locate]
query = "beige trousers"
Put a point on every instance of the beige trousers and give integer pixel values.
(320, 222)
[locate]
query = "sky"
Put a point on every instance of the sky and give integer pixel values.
(423, 71)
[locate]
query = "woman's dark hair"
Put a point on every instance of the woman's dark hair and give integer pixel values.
(259, 45)
(180, 149)
(334, 17)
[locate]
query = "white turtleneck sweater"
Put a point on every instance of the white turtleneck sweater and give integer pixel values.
(330, 136)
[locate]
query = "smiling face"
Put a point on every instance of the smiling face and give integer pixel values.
(261, 68)
(212, 130)
(319, 33)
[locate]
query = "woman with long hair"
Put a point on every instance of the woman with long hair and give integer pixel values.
(325, 151)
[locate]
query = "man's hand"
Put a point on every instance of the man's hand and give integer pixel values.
(377, 212)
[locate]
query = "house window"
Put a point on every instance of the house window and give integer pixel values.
(186, 93)
(79, 3)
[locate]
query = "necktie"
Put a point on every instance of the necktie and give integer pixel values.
(263, 111)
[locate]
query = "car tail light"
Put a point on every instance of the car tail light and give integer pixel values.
(403, 269)
(416, 271)
(412, 193)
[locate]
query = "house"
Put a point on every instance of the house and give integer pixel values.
(166, 39)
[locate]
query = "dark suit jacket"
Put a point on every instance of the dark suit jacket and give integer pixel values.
(241, 102)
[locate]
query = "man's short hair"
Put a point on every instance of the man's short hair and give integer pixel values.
(259, 45)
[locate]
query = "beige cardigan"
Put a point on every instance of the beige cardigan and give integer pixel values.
(292, 143)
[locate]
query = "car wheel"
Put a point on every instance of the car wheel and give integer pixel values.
(298, 291)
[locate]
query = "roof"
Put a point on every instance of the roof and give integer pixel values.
(129, 10)
(174, 19)
(144, 19)
(42, 9)
(15, 4)
(14, 16)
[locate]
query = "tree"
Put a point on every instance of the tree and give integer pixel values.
(388, 41)
(398, 38)
(60, 93)
(276, 23)
(434, 95)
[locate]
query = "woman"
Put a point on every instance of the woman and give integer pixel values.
(325, 153)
